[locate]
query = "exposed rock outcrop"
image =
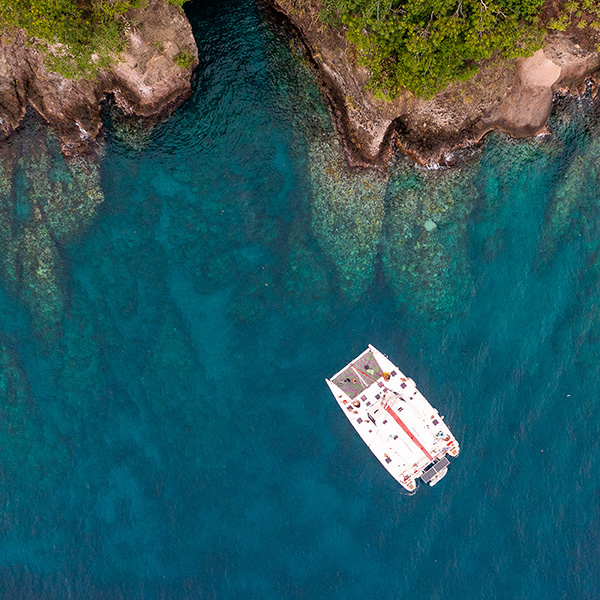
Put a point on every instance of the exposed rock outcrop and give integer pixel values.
(512, 96)
(146, 81)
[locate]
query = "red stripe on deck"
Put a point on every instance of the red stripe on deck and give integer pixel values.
(408, 431)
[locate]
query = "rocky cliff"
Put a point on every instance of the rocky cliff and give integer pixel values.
(146, 81)
(512, 96)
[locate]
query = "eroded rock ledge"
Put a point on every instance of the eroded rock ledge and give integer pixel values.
(511, 96)
(146, 82)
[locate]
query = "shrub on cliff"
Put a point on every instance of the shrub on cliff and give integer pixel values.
(579, 13)
(423, 45)
(79, 37)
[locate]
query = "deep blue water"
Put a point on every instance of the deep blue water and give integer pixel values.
(168, 317)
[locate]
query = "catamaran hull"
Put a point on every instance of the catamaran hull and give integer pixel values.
(406, 434)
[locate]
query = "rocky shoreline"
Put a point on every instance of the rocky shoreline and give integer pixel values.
(147, 81)
(514, 96)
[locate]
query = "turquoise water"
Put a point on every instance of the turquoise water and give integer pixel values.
(168, 316)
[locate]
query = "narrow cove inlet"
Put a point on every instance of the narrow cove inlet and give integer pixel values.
(171, 305)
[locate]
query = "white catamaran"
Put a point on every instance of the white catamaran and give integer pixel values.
(394, 419)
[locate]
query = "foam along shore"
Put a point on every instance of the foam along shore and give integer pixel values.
(146, 80)
(511, 96)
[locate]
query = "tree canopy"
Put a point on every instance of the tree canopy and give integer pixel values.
(423, 45)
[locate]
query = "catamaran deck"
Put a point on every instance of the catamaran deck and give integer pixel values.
(399, 426)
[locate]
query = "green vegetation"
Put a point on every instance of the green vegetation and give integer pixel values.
(423, 45)
(184, 59)
(584, 12)
(79, 37)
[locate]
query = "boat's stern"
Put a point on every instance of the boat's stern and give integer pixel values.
(436, 471)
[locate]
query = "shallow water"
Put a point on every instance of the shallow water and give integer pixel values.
(167, 321)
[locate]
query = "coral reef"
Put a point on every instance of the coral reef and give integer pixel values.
(576, 194)
(419, 218)
(134, 132)
(45, 201)
(8, 245)
(425, 253)
(347, 215)
(573, 209)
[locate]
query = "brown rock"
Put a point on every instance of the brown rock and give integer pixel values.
(560, 65)
(146, 81)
